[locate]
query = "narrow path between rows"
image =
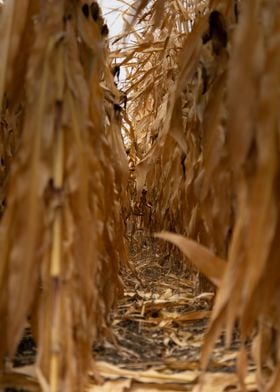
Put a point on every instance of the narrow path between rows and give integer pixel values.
(158, 331)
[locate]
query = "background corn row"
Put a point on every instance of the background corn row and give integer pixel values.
(205, 144)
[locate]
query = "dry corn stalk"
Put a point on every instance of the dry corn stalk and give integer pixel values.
(207, 142)
(61, 233)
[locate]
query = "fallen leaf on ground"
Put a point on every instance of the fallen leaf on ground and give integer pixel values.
(113, 372)
(111, 386)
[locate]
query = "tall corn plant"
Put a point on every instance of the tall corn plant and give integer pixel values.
(63, 171)
(208, 149)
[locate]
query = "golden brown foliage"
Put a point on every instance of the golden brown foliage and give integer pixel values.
(205, 114)
(203, 130)
(63, 172)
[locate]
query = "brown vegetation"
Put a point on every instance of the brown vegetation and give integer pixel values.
(62, 177)
(202, 130)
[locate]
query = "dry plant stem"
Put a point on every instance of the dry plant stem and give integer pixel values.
(61, 234)
(56, 252)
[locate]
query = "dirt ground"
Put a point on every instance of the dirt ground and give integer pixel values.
(158, 329)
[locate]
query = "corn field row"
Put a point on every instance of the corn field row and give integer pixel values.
(198, 111)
